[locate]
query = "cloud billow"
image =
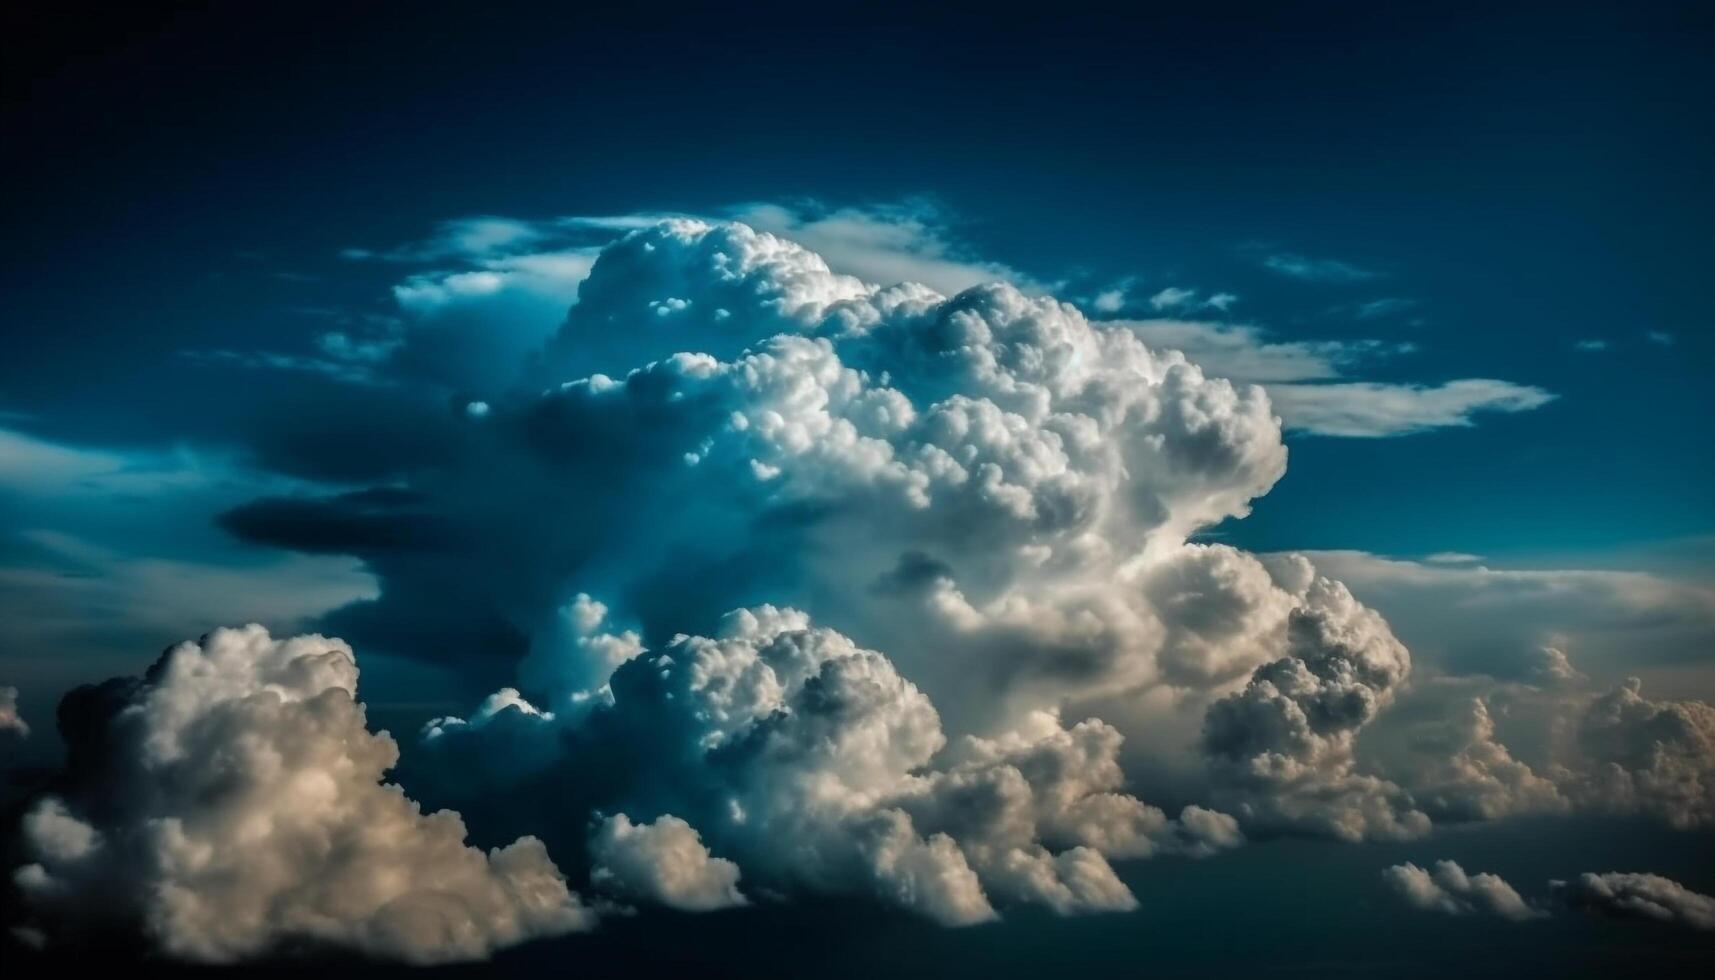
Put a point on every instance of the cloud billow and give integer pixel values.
(785, 585)
(229, 803)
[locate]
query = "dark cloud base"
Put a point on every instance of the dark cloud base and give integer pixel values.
(1291, 908)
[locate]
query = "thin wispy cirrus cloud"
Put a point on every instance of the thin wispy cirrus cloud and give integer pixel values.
(1177, 298)
(1308, 269)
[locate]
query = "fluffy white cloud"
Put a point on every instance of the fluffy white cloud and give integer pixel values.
(1010, 799)
(664, 862)
(990, 487)
(1109, 300)
(818, 768)
(1640, 755)
(231, 801)
(1447, 888)
(1283, 746)
(1647, 896)
(1461, 772)
(823, 739)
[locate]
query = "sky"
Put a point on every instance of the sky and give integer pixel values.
(1002, 488)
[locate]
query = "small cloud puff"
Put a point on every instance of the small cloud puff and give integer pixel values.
(1448, 889)
(663, 862)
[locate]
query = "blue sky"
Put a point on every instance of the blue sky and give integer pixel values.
(1525, 187)
(268, 274)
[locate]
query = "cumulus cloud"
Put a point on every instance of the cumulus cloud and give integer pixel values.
(811, 763)
(999, 435)
(230, 803)
(1646, 896)
(664, 862)
(1462, 772)
(1447, 888)
(989, 487)
(1636, 754)
(1111, 300)
(1283, 746)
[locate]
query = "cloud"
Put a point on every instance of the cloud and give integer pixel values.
(1111, 300)
(1174, 299)
(1448, 889)
(1302, 381)
(808, 760)
(1386, 306)
(664, 862)
(1645, 896)
(489, 290)
(11, 723)
(853, 412)
(869, 590)
(885, 244)
(1591, 346)
(994, 490)
(1282, 747)
(1371, 410)
(1170, 297)
(1315, 270)
(1245, 353)
(1462, 772)
(1614, 622)
(990, 487)
(108, 548)
(1642, 755)
(473, 237)
(1660, 338)
(230, 801)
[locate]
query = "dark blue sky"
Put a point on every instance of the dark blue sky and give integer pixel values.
(1529, 178)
